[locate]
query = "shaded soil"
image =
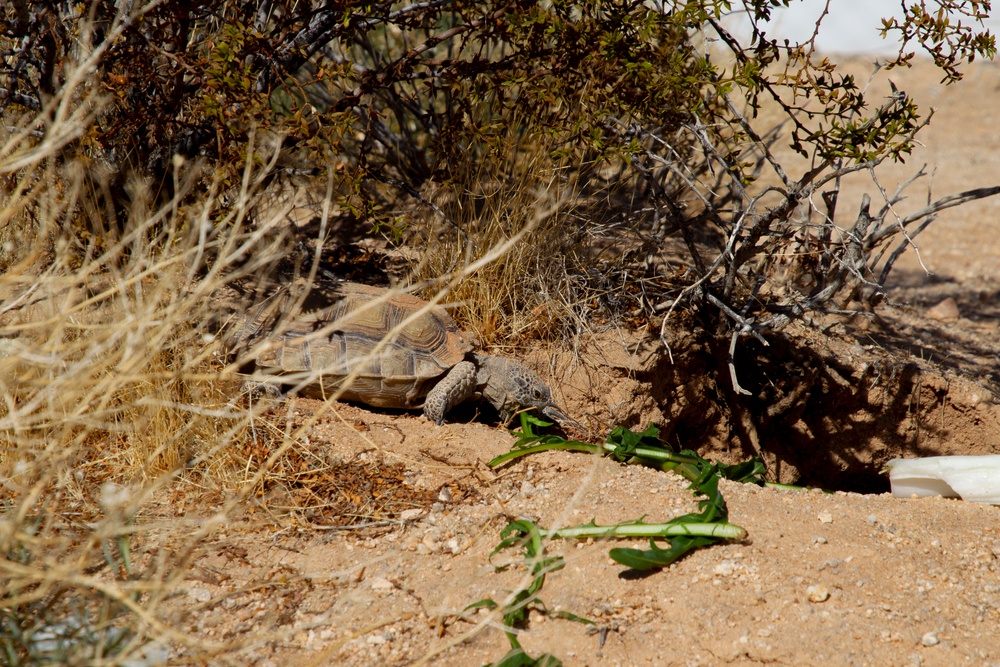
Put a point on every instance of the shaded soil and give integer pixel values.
(833, 579)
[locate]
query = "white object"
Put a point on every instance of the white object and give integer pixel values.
(972, 478)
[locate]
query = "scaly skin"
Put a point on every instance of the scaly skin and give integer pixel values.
(507, 384)
(458, 386)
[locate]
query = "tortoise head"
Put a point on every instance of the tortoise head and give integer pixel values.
(510, 386)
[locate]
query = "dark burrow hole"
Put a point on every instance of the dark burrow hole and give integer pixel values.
(857, 482)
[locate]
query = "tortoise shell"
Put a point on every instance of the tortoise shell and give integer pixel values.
(395, 347)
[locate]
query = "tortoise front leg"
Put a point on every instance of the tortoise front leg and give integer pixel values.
(457, 386)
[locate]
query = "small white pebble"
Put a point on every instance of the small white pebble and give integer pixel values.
(724, 569)
(408, 516)
(818, 593)
(200, 594)
(825, 517)
(381, 584)
(930, 639)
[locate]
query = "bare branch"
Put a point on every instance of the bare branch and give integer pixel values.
(18, 98)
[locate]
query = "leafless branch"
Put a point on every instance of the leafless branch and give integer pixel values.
(26, 101)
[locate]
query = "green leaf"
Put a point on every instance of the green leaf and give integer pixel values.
(527, 535)
(516, 613)
(487, 603)
(568, 616)
(655, 557)
(626, 441)
(528, 442)
(521, 532)
(516, 657)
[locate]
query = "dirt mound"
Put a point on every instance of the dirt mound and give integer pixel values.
(827, 407)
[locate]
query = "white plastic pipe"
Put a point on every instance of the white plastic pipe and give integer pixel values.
(972, 478)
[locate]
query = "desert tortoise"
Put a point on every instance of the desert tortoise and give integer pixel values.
(395, 349)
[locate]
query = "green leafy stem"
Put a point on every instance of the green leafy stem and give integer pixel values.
(529, 537)
(684, 533)
(707, 526)
(627, 446)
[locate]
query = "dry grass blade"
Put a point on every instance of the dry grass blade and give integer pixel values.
(111, 391)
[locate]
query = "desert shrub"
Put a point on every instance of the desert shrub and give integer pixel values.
(646, 112)
(540, 159)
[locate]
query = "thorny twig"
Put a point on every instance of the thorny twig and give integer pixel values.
(756, 236)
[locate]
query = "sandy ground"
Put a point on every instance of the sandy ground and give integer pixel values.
(822, 579)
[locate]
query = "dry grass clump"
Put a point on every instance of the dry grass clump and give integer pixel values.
(119, 405)
(114, 384)
(108, 393)
(511, 246)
